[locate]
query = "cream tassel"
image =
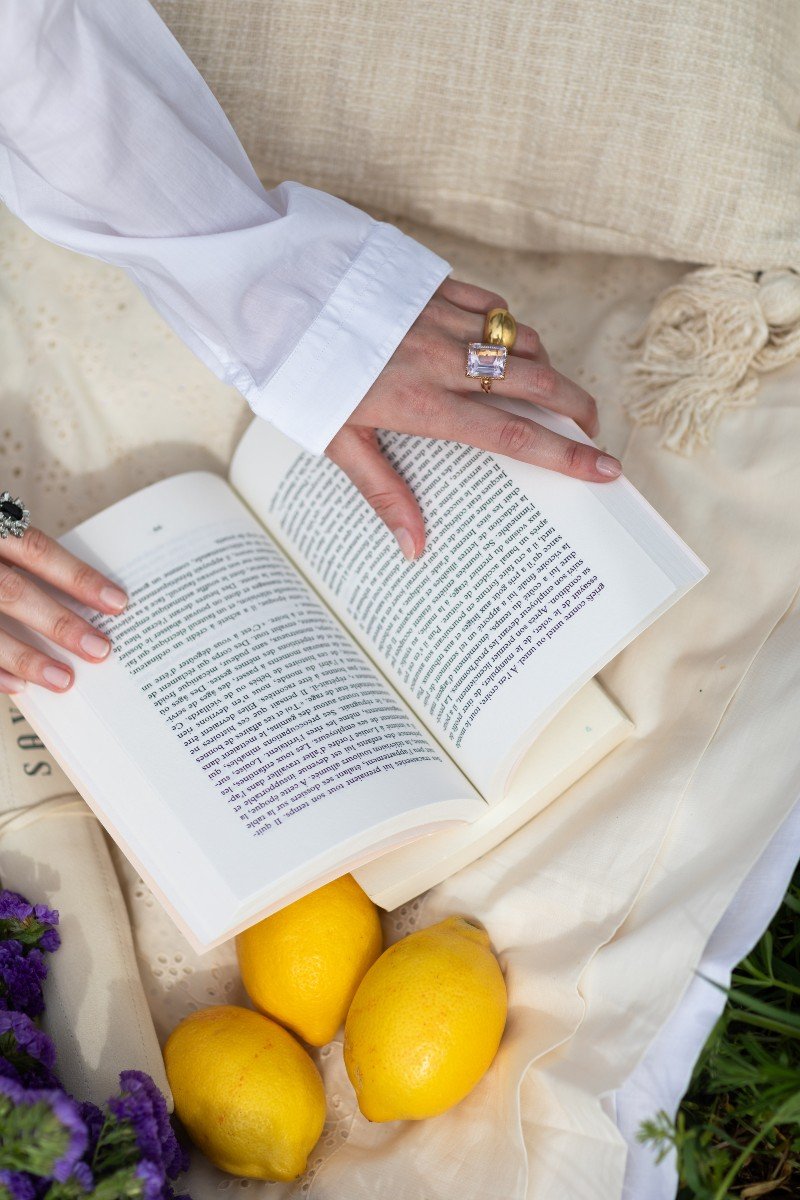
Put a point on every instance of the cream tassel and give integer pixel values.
(704, 345)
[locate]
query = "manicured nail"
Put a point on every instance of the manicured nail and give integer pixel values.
(57, 676)
(405, 542)
(11, 682)
(606, 465)
(113, 597)
(94, 645)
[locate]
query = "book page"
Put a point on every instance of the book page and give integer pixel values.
(237, 740)
(528, 585)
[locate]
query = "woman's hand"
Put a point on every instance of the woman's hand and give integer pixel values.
(423, 390)
(35, 554)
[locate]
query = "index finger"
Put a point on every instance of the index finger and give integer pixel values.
(43, 557)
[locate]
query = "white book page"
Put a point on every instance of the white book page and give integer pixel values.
(237, 742)
(529, 584)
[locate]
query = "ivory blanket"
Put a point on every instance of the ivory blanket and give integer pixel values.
(601, 907)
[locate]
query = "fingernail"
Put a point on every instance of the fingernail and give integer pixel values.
(606, 465)
(57, 676)
(113, 597)
(95, 645)
(405, 542)
(11, 682)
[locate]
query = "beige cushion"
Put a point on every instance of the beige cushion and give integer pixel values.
(665, 129)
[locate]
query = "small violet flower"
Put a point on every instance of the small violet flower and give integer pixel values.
(28, 1049)
(142, 1105)
(30, 924)
(153, 1182)
(51, 1145)
(94, 1120)
(21, 978)
(42, 1130)
(17, 1185)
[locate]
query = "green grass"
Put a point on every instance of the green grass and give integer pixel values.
(737, 1132)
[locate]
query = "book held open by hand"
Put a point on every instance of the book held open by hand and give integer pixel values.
(288, 698)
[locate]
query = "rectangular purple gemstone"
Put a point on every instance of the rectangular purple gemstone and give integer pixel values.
(485, 360)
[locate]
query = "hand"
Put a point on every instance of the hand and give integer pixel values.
(38, 555)
(423, 390)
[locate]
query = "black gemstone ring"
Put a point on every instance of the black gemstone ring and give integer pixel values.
(14, 516)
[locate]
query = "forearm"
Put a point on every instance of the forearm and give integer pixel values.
(111, 144)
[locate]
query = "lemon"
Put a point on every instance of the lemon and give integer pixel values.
(248, 1093)
(303, 964)
(425, 1022)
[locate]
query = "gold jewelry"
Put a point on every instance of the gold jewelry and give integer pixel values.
(500, 328)
(486, 360)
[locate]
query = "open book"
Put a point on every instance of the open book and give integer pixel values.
(288, 698)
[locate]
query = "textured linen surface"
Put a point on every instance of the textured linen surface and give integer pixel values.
(631, 127)
(100, 398)
(113, 145)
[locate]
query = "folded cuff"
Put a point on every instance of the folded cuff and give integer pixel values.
(346, 347)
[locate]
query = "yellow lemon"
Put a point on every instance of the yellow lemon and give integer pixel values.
(248, 1093)
(425, 1022)
(303, 964)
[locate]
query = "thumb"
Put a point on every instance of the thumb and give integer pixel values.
(357, 452)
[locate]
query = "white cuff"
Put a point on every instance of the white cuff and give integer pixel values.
(338, 358)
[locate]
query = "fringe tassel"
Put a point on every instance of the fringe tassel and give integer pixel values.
(704, 345)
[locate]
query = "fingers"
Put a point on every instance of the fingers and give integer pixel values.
(41, 556)
(477, 424)
(9, 684)
(21, 664)
(462, 297)
(467, 327)
(357, 452)
(529, 378)
(539, 383)
(21, 599)
(468, 296)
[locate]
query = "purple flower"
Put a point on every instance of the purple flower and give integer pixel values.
(14, 907)
(18, 1185)
(152, 1178)
(65, 1109)
(12, 1089)
(29, 924)
(94, 1120)
(21, 978)
(28, 1048)
(83, 1175)
(50, 940)
(9, 1071)
(142, 1104)
(60, 1135)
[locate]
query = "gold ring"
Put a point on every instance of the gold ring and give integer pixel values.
(486, 360)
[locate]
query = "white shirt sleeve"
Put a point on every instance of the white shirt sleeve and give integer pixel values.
(111, 144)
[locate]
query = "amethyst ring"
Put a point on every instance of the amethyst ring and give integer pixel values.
(14, 516)
(486, 360)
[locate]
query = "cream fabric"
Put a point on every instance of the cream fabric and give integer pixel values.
(633, 865)
(626, 127)
(53, 851)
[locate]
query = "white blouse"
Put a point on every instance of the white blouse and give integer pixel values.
(111, 144)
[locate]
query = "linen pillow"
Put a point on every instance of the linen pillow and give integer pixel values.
(638, 126)
(622, 126)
